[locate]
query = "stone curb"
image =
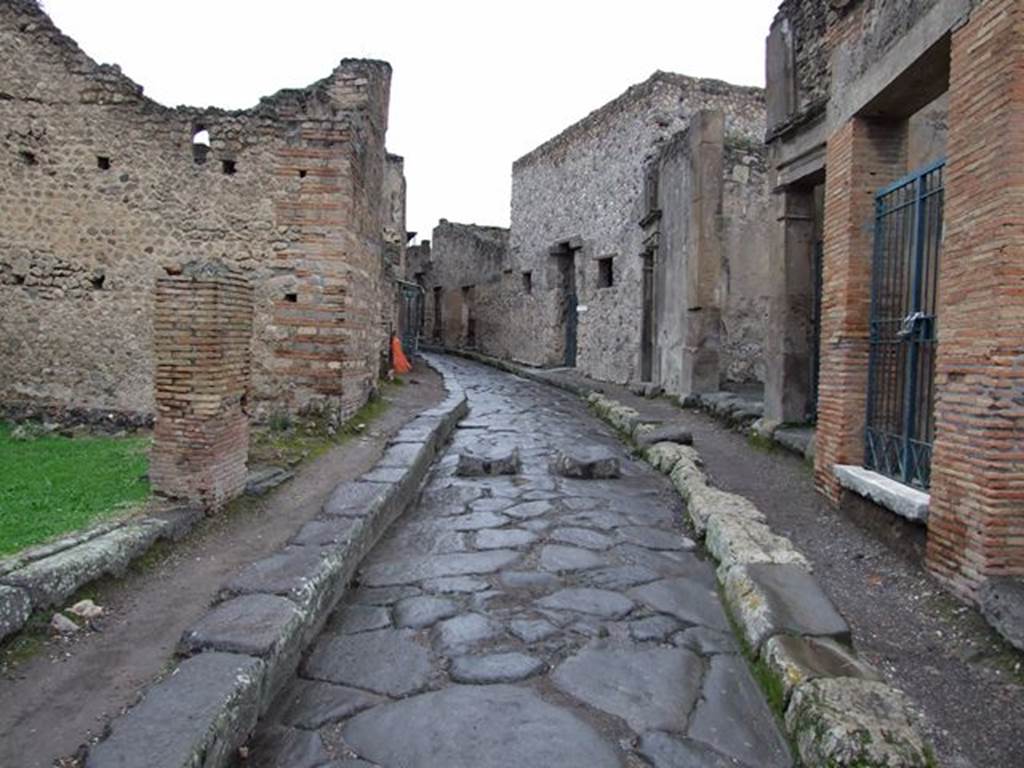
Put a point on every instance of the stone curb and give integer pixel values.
(272, 610)
(837, 710)
(46, 576)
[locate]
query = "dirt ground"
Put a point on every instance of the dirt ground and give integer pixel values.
(64, 694)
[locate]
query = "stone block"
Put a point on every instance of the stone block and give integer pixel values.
(768, 599)
(407, 455)
(736, 540)
(586, 463)
(489, 463)
(357, 499)
(199, 716)
(1002, 604)
(664, 456)
(795, 660)
(262, 480)
(15, 608)
(848, 723)
(665, 433)
(895, 496)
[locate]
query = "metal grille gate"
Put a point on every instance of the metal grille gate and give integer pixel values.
(900, 412)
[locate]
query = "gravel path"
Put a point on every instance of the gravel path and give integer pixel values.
(528, 620)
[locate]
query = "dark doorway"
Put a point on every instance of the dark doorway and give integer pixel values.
(438, 330)
(569, 303)
(647, 320)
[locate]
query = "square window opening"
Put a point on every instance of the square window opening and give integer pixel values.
(228, 167)
(605, 272)
(103, 163)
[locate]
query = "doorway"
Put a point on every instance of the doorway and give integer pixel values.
(569, 303)
(647, 320)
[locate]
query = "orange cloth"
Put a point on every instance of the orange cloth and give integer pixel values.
(402, 364)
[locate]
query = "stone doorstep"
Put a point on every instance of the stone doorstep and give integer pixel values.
(895, 496)
(209, 706)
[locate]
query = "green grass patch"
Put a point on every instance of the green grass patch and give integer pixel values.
(52, 485)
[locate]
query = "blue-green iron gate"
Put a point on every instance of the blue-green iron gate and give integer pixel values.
(900, 425)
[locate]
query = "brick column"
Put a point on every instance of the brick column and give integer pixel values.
(976, 525)
(791, 275)
(862, 157)
(202, 332)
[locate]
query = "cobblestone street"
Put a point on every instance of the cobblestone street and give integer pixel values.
(528, 620)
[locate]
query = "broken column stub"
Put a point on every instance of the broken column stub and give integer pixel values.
(202, 332)
(489, 461)
(586, 463)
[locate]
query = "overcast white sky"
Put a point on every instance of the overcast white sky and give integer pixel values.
(475, 84)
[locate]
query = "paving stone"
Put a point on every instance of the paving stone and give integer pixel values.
(537, 524)
(492, 726)
(706, 642)
(846, 723)
(477, 521)
(665, 433)
(448, 500)
(656, 628)
(406, 455)
(555, 557)
(455, 584)
(740, 541)
(651, 689)
(619, 577)
(387, 661)
(665, 750)
(769, 600)
(529, 509)
(596, 602)
(418, 568)
(656, 538)
(311, 704)
(532, 630)
(357, 618)
(483, 601)
(387, 475)
(509, 538)
(419, 539)
(666, 563)
(198, 716)
(257, 625)
(495, 668)
(686, 599)
(533, 580)
(491, 505)
(587, 463)
(466, 630)
(356, 499)
(733, 717)
(420, 612)
(333, 531)
(302, 574)
(596, 518)
(795, 660)
(384, 595)
(483, 463)
(15, 608)
(581, 537)
(275, 747)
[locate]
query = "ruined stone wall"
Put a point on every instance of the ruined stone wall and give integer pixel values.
(587, 184)
(102, 188)
(393, 265)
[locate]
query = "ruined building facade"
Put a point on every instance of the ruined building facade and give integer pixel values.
(896, 137)
(636, 251)
(103, 191)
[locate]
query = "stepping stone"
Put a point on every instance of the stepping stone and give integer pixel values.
(495, 668)
(620, 577)
(586, 463)
(651, 689)
(311, 704)
(451, 584)
(475, 521)
(363, 618)
(532, 630)
(596, 602)
(490, 726)
(581, 537)
(663, 750)
(555, 557)
(537, 580)
(414, 569)
(276, 746)
(529, 509)
(489, 463)
(734, 718)
(509, 538)
(466, 630)
(706, 642)
(687, 600)
(653, 628)
(388, 662)
(420, 612)
(656, 538)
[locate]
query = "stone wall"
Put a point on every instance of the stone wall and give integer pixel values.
(395, 237)
(101, 189)
(584, 190)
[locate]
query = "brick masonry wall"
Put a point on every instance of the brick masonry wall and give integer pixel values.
(976, 525)
(290, 192)
(202, 333)
(863, 156)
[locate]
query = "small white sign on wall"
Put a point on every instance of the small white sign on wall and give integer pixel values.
(581, 309)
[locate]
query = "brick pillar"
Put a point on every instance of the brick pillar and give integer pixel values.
(862, 157)
(202, 332)
(791, 275)
(976, 523)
